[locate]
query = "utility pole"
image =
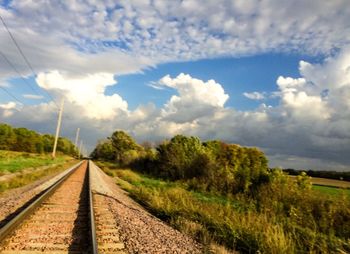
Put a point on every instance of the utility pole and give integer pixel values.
(58, 129)
(76, 138)
(81, 146)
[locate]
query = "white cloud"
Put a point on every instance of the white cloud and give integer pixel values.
(254, 95)
(9, 105)
(33, 96)
(8, 109)
(155, 85)
(305, 124)
(196, 98)
(102, 36)
(86, 93)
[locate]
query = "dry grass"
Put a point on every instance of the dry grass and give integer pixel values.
(282, 223)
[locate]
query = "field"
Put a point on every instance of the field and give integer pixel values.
(331, 190)
(11, 162)
(272, 222)
(329, 186)
(328, 182)
(18, 168)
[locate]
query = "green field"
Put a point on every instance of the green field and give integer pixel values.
(11, 162)
(331, 190)
(12, 165)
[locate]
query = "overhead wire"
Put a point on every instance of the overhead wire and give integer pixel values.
(24, 57)
(11, 95)
(16, 70)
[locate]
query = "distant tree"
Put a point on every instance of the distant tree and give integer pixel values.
(176, 158)
(237, 168)
(7, 137)
(126, 150)
(104, 151)
(22, 139)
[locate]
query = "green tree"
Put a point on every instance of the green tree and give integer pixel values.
(104, 151)
(123, 144)
(177, 158)
(22, 139)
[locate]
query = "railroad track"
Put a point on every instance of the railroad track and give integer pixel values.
(62, 220)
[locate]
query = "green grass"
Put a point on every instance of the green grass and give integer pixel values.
(334, 191)
(239, 222)
(23, 178)
(15, 161)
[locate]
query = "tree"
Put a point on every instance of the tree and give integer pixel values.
(22, 139)
(176, 158)
(104, 151)
(123, 144)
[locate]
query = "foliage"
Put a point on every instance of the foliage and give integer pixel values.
(24, 140)
(120, 147)
(105, 150)
(283, 217)
(177, 158)
(210, 166)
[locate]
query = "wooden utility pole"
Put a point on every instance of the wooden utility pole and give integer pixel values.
(77, 138)
(58, 128)
(80, 147)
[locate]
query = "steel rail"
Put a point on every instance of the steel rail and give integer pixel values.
(16, 221)
(92, 215)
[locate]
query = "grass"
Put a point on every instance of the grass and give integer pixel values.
(331, 190)
(237, 223)
(11, 162)
(24, 178)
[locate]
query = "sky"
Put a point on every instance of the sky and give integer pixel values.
(272, 74)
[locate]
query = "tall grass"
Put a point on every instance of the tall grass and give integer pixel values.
(284, 220)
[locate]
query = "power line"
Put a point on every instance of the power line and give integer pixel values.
(11, 95)
(24, 57)
(16, 70)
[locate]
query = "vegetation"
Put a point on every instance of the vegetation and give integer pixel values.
(322, 174)
(282, 221)
(24, 140)
(226, 193)
(26, 177)
(331, 190)
(13, 161)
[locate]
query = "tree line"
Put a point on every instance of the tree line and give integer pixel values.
(277, 209)
(323, 174)
(24, 140)
(209, 166)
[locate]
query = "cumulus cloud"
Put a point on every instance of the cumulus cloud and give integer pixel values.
(305, 123)
(254, 95)
(8, 109)
(195, 98)
(86, 93)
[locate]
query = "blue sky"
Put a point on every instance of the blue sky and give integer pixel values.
(272, 74)
(236, 75)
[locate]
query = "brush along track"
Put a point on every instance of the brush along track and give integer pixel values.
(61, 224)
